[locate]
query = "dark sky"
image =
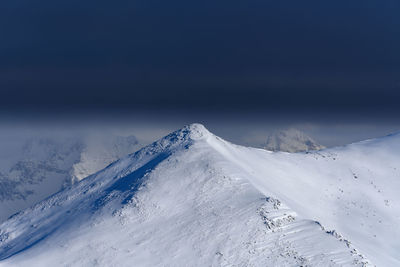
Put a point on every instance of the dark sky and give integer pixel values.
(254, 55)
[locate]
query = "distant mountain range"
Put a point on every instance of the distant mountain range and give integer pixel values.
(291, 140)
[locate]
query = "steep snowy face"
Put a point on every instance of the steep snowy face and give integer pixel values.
(193, 199)
(33, 169)
(291, 140)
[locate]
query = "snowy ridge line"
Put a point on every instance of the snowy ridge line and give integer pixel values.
(361, 258)
(95, 184)
(192, 198)
(278, 218)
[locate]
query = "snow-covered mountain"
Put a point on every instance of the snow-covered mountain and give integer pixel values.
(291, 140)
(37, 167)
(193, 199)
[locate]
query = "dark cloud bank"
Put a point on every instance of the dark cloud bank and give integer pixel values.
(309, 56)
(217, 62)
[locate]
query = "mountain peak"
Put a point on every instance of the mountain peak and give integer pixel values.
(197, 131)
(291, 140)
(191, 132)
(183, 137)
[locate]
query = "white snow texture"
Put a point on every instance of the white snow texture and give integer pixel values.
(193, 199)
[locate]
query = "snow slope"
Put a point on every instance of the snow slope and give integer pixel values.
(31, 169)
(193, 199)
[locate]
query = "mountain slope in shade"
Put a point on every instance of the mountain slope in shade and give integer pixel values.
(37, 167)
(291, 140)
(193, 199)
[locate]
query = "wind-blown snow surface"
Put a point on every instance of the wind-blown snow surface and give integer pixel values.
(193, 199)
